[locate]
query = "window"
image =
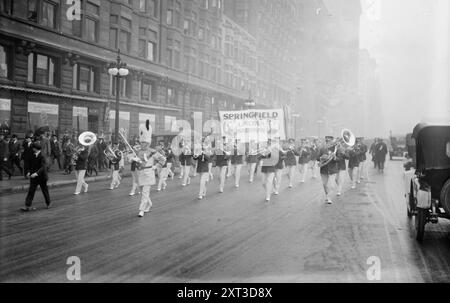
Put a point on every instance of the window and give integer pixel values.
(125, 22)
(113, 38)
(41, 69)
(125, 38)
(178, 14)
(205, 4)
(48, 14)
(153, 8)
(125, 86)
(142, 6)
(85, 78)
(169, 17)
(3, 62)
(91, 30)
(113, 19)
(6, 6)
(146, 92)
(171, 95)
(32, 10)
(151, 51)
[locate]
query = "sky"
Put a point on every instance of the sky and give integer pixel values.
(409, 40)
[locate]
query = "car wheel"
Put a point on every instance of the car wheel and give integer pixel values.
(445, 196)
(421, 220)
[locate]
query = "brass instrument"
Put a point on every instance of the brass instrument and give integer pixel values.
(85, 139)
(110, 154)
(347, 139)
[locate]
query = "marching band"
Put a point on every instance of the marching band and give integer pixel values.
(271, 160)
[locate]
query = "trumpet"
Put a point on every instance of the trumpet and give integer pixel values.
(111, 154)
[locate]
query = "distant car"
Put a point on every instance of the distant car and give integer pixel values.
(397, 147)
(428, 187)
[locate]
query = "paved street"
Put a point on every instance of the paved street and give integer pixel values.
(230, 237)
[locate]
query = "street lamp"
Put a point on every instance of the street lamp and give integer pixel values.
(117, 69)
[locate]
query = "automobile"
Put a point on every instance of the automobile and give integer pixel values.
(427, 177)
(397, 147)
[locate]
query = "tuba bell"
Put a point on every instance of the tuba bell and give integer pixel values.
(87, 138)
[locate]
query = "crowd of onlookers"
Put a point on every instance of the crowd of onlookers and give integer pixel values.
(59, 153)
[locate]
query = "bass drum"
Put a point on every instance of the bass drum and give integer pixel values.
(445, 197)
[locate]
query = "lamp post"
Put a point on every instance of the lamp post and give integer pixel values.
(118, 70)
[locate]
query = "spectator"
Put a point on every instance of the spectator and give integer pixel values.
(55, 151)
(14, 154)
(68, 151)
(92, 160)
(4, 155)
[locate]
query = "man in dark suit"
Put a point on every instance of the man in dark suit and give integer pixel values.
(329, 170)
(27, 154)
(4, 155)
(38, 176)
(14, 154)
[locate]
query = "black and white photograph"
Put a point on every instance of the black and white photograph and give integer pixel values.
(222, 142)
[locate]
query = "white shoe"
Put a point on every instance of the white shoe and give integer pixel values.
(267, 200)
(189, 181)
(329, 201)
(132, 194)
(290, 186)
(141, 214)
(76, 193)
(237, 185)
(359, 182)
(159, 189)
(221, 191)
(111, 188)
(86, 188)
(302, 181)
(353, 187)
(200, 197)
(338, 194)
(183, 184)
(276, 193)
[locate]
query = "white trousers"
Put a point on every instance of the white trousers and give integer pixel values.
(326, 180)
(186, 170)
(291, 173)
(268, 183)
(222, 177)
(135, 185)
(303, 168)
(204, 178)
(230, 169)
(237, 173)
(315, 168)
(115, 179)
(353, 174)
(79, 174)
(252, 170)
(163, 177)
(277, 180)
(146, 202)
(339, 180)
(362, 170)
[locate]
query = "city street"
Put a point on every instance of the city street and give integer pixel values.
(229, 237)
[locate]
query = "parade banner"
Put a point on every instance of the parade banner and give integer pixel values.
(256, 125)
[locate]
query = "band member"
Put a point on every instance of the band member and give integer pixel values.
(328, 171)
(236, 162)
(80, 169)
(185, 162)
(314, 148)
(115, 167)
(353, 165)
(279, 171)
(269, 158)
(252, 160)
(340, 158)
(55, 153)
(37, 172)
(170, 157)
(222, 157)
(291, 161)
(164, 171)
(362, 159)
(303, 160)
(14, 154)
(146, 174)
(134, 176)
(203, 158)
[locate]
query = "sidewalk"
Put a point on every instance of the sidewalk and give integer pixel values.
(56, 179)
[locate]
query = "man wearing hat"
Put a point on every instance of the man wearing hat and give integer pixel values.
(14, 154)
(329, 170)
(37, 172)
(303, 159)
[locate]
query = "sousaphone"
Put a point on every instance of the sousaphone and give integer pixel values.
(347, 139)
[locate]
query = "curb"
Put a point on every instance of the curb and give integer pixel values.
(53, 184)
